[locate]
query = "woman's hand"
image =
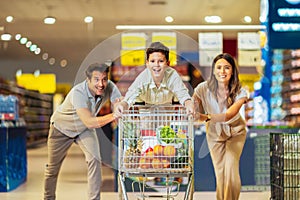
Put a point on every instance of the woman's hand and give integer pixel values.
(189, 106)
(200, 117)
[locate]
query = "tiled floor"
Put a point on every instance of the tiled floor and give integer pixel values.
(72, 181)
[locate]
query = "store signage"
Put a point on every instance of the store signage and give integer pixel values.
(249, 41)
(211, 41)
(248, 80)
(173, 57)
(284, 24)
(210, 45)
(132, 57)
(249, 58)
(293, 1)
(170, 40)
(249, 53)
(44, 83)
(133, 41)
(167, 38)
(206, 57)
(133, 49)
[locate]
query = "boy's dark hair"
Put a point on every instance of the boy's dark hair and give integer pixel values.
(158, 47)
(96, 67)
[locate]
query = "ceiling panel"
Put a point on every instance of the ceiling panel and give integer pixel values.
(71, 38)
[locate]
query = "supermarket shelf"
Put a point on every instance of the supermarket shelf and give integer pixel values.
(35, 108)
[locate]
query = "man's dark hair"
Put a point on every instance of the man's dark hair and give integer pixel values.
(96, 67)
(158, 47)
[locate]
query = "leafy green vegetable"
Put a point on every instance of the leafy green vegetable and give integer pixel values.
(168, 135)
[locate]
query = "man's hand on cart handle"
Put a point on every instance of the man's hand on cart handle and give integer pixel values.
(119, 109)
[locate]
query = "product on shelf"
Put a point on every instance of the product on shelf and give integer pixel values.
(285, 91)
(9, 107)
(33, 107)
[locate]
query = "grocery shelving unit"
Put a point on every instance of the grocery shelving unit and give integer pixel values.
(35, 108)
(285, 90)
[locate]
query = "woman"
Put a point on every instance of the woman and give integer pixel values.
(218, 101)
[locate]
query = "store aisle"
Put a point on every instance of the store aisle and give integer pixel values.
(72, 180)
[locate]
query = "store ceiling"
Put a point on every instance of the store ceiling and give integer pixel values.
(72, 39)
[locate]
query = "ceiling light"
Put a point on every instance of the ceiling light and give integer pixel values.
(45, 56)
(169, 19)
(9, 19)
(157, 2)
(36, 73)
(49, 20)
(6, 37)
(33, 47)
(213, 19)
(191, 27)
(18, 36)
(23, 40)
(37, 51)
(247, 19)
(88, 19)
(52, 61)
(63, 63)
(19, 72)
(28, 44)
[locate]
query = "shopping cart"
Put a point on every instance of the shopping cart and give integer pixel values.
(156, 143)
(285, 166)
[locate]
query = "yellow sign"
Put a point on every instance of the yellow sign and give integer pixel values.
(44, 83)
(167, 38)
(63, 88)
(173, 57)
(248, 80)
(133, 41)
(132, 57)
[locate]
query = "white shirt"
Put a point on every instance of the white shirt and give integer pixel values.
(144, 89)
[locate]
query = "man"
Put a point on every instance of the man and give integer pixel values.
(158, 84)
(74, 121)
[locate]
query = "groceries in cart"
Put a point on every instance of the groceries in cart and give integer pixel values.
(156, 143)
(164, 147)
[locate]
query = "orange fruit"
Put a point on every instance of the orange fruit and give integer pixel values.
(150, 154)
(145, 163)
(158, 150)
(156, 163)
(169, 151)
(165, 163)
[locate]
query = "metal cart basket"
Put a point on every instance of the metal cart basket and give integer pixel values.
(156, 142)
(285, 166)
